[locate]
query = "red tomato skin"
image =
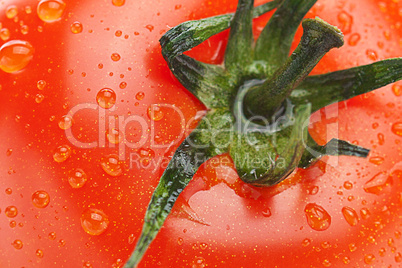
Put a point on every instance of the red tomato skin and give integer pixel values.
(233, 224)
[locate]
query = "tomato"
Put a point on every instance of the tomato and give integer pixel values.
(76, 178)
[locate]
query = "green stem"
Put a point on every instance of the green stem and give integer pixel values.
(273, 45)
(318, 38)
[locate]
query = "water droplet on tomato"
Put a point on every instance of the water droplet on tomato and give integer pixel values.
(50, 10)
(52, 236)
(326, 263)
(65, 122)
(398, 257)
(24, 29)
(100, 65)
(118, 33)
(76, 27)
(115, 57)
(114, 136)
(397, 89)
(382, 252)
(39, 98)
(376, 160)
(62, 243)
(397, 128)
(40, 199)
(87, 264)
(203, 246)
(354, 39)
(41, 84)
(381, 138)
(28, 9)
(140, 95)
(131, 239)
(4, 34)
(199, 262)
(146, 155)
(350, 216)
(15, 55)
(346, 260)
(39, 253)
(94, 221)
(369, 258)
(118, 3)
(123, 85)
(150, 27)
(11, 211)
(266, 213)
(155, 112)
(180, 241)
(348, 185)
(11, 11)
(111, 165)
(352, 247)
(13, 224)
(106, 98)
(62, 153)
(9, 191)
(378, 184)
(364, 213)
(346, 22)
(371, 54)
(17, 244)
(317, 217)
(312, 190)
(9, 152)
(77, 178)
(306, 242)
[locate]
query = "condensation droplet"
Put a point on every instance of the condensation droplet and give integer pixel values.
(348, 185)
(41, 84)
(11, 211)
(94, 221)
(150, 27)
(62, 243)
(140, 95)
(111, 165)
(4, 34)
(77, 178)
(62, 153)
(87, 264)
(369, 258)
(381, 138)
(65, 122)
(155, 113)
(118, 3)
(76, 27)
(9, 191)
(28, 9)
(397, 90)
(9, 152)
(114, 136)
(40, 199)
(352, 247)
(50, 10)
(350, 216)
(317, 217)
(199, 262)
(364, 213)
(131, 239)
(346, 22)
(371, 54)
(376, 160)
(13, 224)
(52, 235)
(106, 98)
(24, 29)
(378, 183)
(39, 98)
(11, 11)
(354, 39)
(39, 253)
(115, 57)
(123, 85)
(267, 212)
(398, 257)
(306, 242)
(17, 244)
(397, 128)
(326, 263)
(118, 33)
(312, 190)
(15, 55)
(145, 156)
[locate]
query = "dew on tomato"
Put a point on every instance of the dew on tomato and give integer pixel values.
(155, 112)
(354, 39)
(39, 253)
(76, 27)
(364, 213)
(40, 199)
(94, 221)
(123, 85)
(65, 122)
(12, 224)
(111, 165)
(62, 153)
(140, 95)
(11, 211)
(115, 57)
(369, 258)
(397, 128)
(4, 34)
(77, 178)
(350, 216)
(118, 3)
(376, 160)
(9, 191)
(317, 217)
(50, 10)
(11, 11)
(17, 244)
(106, 98)
(24, 29)
(378, 184)
(41, 84)
(52, 235)
(39, 98)
(15, 55)
(114, 136)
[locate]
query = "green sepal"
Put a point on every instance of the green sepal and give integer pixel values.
(322, 90)
(275, 41)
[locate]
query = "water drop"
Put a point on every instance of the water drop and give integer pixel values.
(123, 85)
(382, 252)
(155, 113)
(106, 98)
(312, 190)
(397, 128)
(11, 211)
(39, 98)
(352, 247)
(267, 213)
(76, 27)
(9, 191)
(13, 224)
(397, 90)
(376, 160)
(326, 263)
(118, 3)
(199, 262)
(354, 39)
(203, 246)
(40, 199)
(346, 22)
(62, 153)
(28, 9)
(94, 221)
(24, 29)
(317, 217)
(87, 264)
(398, 257)
(118, 33)
(372, 55)
(381, 138)
(364, 213)
(4, 34)
(11, 11)
(150, 27)
(348, 185)
(131, 239)
(111, 165)
(39, 253)
(15, 55)
(378, 183)
(17, 244)
(62, 243)
(306, 242)
(50, 10)
(52, 236)
(369, 258)
(140, 95)
(65, 122)
(114, 136)
(115, 57)
(180, 241)
(77, 178)
(350, 216)
(9, 152)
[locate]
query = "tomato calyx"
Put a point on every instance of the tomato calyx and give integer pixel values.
(259, 102)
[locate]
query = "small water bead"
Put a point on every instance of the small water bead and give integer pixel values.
(140, 95)
(87, 264)
(123, 85)
(369, 258)
(94, 221)
(17, 244)
(150, 27)
(118, 3)
(9, 191)
(382, 252)
(40, 199)
(39, 253)
(306, 242)
(52, 236)
(9, 152)
(317, 217)
(106, 98)
(352, 247)
(100, 66)
(155, 113)
(62, 153)
(350, 216)
(199, 262)
(111, 165)
(115, 136)
(131, 239)
(65, 122)
(76, 27)
(364, 213)
(115, 57)
(41, 84)
(397, 90)
(62, 243)
(13, 224)
(376, 160)
(326, 263)
(397, 128)
(39, 98)
(28, 9)
(50, 10)
(267, 212)
(354, 39)
(24, 29)
(15, 55)
(4, 34)
(381, 138)
(348, 185)
(77, 178)
(372, 55)
(118, 33)
(11, 211)
(398, 257)
(11, 11)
